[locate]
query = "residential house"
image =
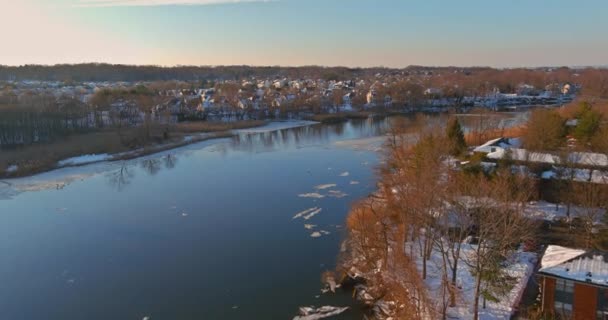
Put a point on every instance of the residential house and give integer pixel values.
(574, 284)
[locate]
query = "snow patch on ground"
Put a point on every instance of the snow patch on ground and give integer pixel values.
(520, 266)
(12, 169)
(543, 210)
(84, 159)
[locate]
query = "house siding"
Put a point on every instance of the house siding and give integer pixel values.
(548, 292)
(585, 302)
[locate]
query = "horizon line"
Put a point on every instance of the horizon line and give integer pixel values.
(299, 66)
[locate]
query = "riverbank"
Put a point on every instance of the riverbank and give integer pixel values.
(112, 145)
(345, 116)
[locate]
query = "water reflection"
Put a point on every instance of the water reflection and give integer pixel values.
(120, 178)
(319, 134)
(215, 234)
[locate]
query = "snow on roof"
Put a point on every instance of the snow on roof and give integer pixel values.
(588, 158)
(581, 158)
(575, 265)
(582, 175)
(485, 146)
(556, 255)
(524, 155)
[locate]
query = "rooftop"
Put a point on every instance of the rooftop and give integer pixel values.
(575, 264)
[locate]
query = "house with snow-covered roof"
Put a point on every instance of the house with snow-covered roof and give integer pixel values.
(498, 144)
(574, 283)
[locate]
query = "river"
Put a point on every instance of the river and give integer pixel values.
(206, 231)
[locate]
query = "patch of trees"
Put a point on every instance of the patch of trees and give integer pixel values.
(422, 217)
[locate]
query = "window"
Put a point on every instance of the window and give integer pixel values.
(564, 285)
(563, 309)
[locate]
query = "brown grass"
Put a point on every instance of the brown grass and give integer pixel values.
(203, 126)
(569, 110)
(477, 138)
(37, 158)
(340, 117)
(41, 157)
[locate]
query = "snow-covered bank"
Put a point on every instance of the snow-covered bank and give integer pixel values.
(275, 126)
(94, 158)
(84, 159)
(89, 159)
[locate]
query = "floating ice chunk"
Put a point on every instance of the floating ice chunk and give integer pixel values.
(305, 212)
(354, 182)
(309, 226)
(337, 194)
(184, 214)
(312, 214)
(315, 234)
(311, 313)
(324, 232)
(325, 186)
(344, 174)
(311, 195)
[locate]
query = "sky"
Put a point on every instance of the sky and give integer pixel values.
(354, 33)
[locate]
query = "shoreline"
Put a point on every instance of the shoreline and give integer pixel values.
(81, 160)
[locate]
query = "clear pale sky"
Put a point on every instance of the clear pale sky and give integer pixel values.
(392, 33)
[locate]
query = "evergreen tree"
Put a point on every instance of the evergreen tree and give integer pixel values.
(455, 136)
(588, 125)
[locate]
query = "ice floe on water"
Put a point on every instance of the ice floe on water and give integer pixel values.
(325, 186)
(344, 174)
(312, 214)
(320, 233)
(309, 226)
(353, 182)
(337, 194)
(308, 213)
(312, 313)
(315, 195)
